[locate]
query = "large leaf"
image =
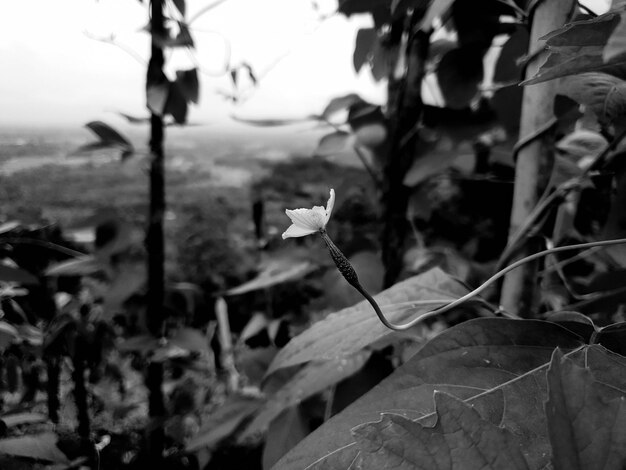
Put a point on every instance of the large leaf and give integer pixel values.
(604, 94)
(38, 446)
(586, 418)
(310, 380)
(578, 47)
(187, 82)
(499, 365)
(14, 274)
(352, 329)
(461, 440)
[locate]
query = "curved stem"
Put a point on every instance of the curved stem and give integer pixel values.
(348, 272)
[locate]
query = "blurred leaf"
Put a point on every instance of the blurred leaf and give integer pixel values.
(371, 135)
(340, 103)
(276, 272)
(255, 325)
(312, 379)
(191, 339)
(459, 73)
(222, 423)
(332, 144)
(135, 119)
(109, 138)
(350, 7)
(365, 40)
(582, 143)
(180, 4)
(289, 428)
(128, 279)
(142, 343)
(19, 419)
(8, 226)
(496, 365)
(461, 440)
(8, 335)
(156, 95)
(10, 273)
(604, 94)
(273, 122)
(176, 104)
(187, 82)
(586, 418)
(443, 156)
(38, 446)
(355, 328)
(30, 334)
(182, 39)
(82, 266)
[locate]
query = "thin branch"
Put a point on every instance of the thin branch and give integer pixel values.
(111, 40)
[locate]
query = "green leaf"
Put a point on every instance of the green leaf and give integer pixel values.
(180, 4)
(352, 329)
(578, 47)
(19, 419)
(10, 273)
(187, 82)
(335, 143)
(156, 97)
(308, 381)
(284, 433)
(497, 365)
(82, 266)
(8, 334)
(341, 103)
(586, 418)
(364, 43)
(176, 104)
(461, 440)
(459, 73)
(223, 422)
(276, 272)
(604, 94)
(38, 446)
(108, 138)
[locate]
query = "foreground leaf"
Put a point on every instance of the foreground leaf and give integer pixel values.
(497, 365)
(604, 94)
(586, 418)
(461, 440)
(38, 446)
(310, 380)
(352, 329)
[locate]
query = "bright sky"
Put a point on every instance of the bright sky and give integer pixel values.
(53, 73)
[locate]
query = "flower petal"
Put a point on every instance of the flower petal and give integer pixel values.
(329, 206)
(304, 218)
(294, 231)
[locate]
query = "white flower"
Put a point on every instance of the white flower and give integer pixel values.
(308, 221)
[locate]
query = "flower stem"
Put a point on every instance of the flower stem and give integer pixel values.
(348, 272)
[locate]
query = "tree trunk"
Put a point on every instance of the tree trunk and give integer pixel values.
(405, 109)
(534, 160)
(155, 244)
